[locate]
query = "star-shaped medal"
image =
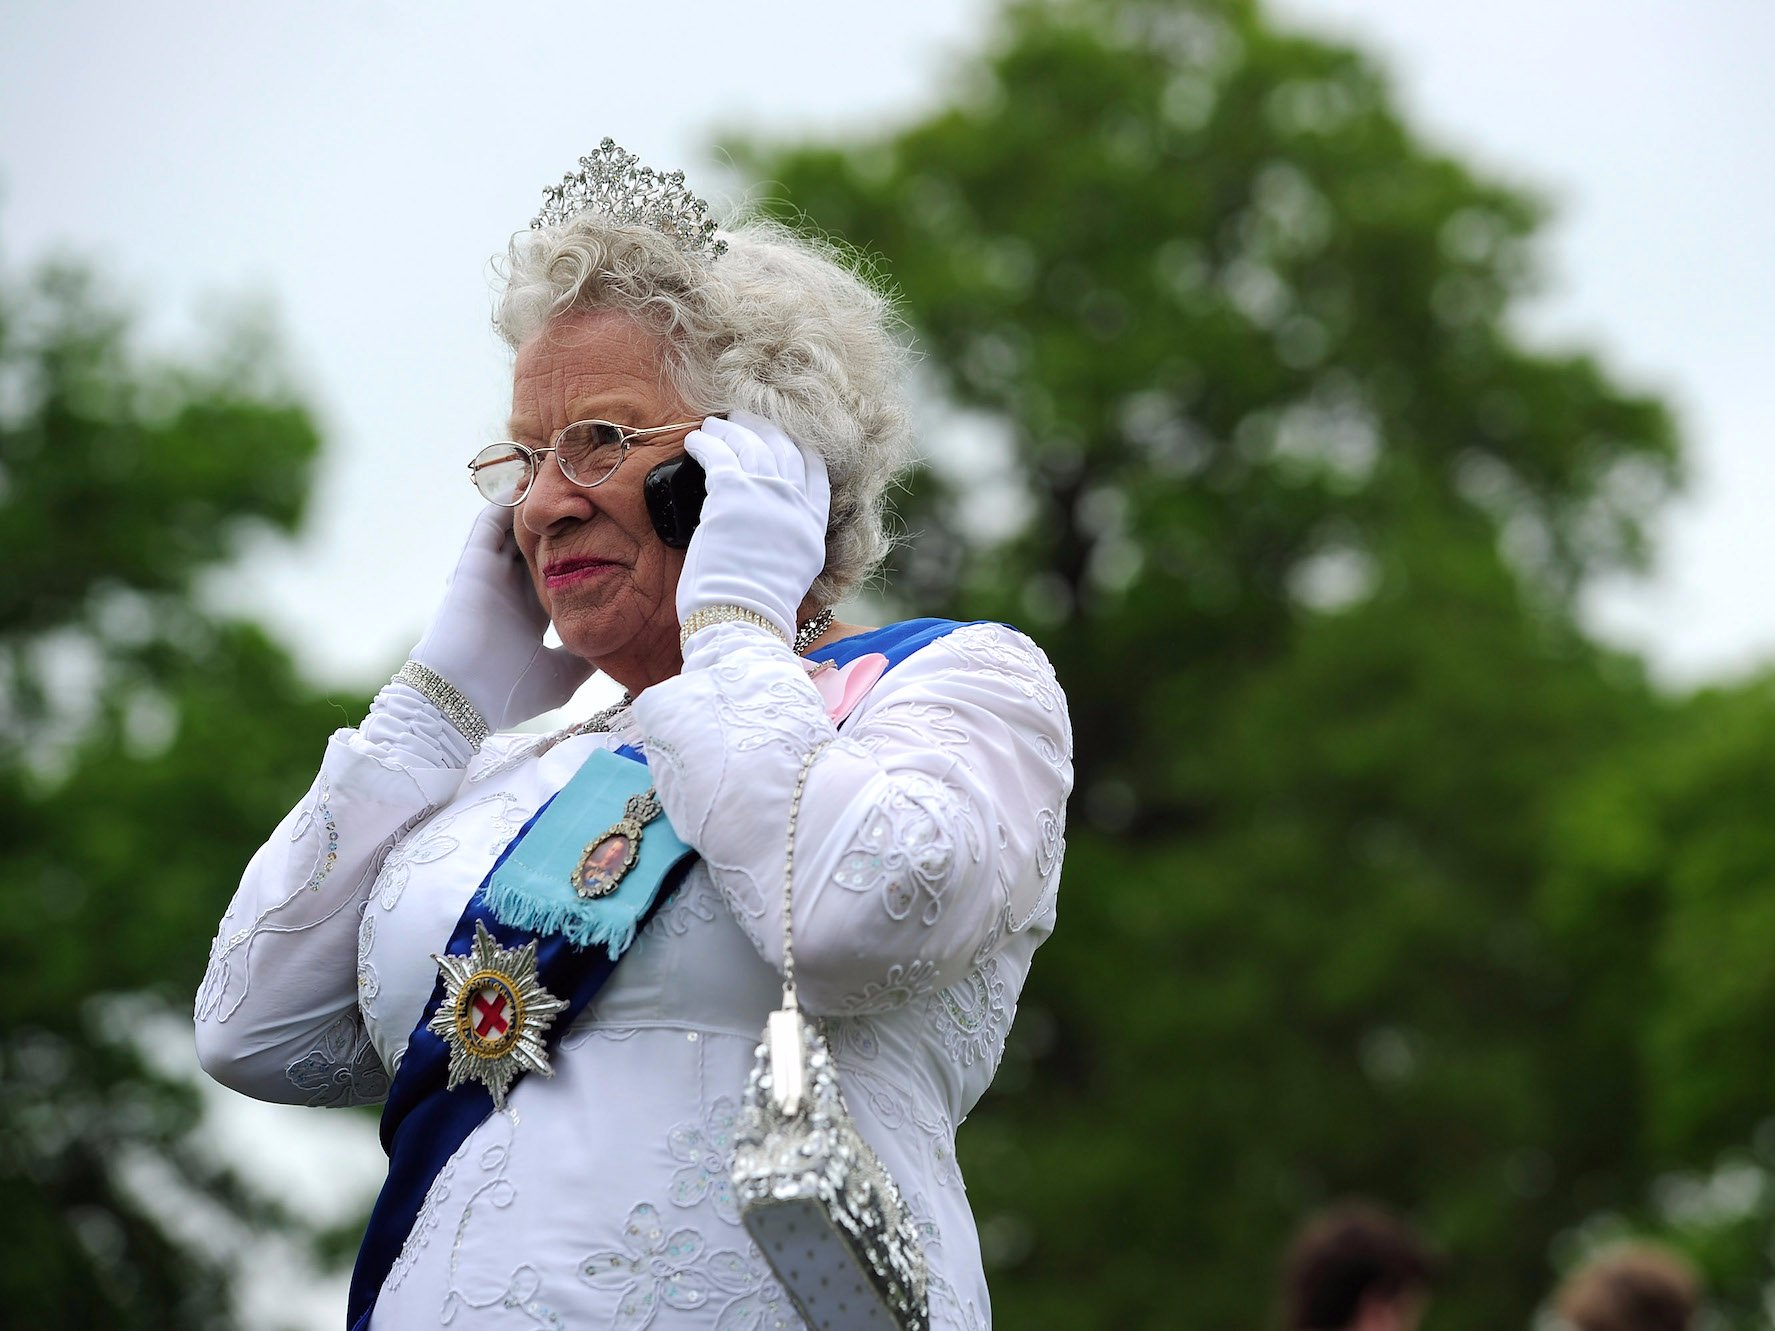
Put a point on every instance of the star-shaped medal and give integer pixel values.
(494, 1014)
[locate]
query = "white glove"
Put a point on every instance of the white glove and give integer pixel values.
(486, 637)
(762, 538)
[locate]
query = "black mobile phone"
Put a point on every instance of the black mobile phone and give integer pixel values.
(674, 491)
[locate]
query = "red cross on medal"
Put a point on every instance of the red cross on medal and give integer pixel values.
(494, 1014)
(490, 1008)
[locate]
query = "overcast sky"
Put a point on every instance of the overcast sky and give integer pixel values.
(354, 166)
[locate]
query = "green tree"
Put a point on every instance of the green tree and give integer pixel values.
(1301, 521)
(147, 747)
(1660, 888)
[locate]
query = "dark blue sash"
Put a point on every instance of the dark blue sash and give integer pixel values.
(422, 1123)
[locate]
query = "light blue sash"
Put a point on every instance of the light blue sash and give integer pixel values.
(533, 886)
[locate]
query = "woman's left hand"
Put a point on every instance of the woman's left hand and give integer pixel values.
(762, 538)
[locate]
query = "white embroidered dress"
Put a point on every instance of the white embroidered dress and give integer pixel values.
(926, 866)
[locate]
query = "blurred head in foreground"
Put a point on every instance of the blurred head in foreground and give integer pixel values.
(1640, 1287)
(1355, 1267)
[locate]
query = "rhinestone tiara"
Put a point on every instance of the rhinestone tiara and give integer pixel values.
(614, 184)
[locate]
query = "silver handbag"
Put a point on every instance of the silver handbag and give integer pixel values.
(812, 1194)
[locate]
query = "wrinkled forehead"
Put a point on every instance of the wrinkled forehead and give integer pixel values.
(590, 364)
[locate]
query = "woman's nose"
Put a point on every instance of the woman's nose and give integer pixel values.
(552, 498)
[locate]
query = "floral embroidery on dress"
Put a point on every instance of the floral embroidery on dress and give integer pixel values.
(778, 714)
(368, 984)
(424, 1223)
(509, 817)
(905, 981)
(1050, 843)
(759, 1303)
(484, 765)
(1012, 658)
(707, 1155)
(962, 1316)
(851, 1036)
(896, 1108)
(1054, 753)
(499, 1192)
(654, 1269)
(1050, 850)
(695, 900)
(520, 1296)
(397, 869)
(946, 1305)
(973, 1017)
(216, 975)
(344, 1070)
(227, 976)
(921, 722)
(435, 842)
(903, 850)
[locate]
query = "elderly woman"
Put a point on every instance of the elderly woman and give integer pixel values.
(563, 1137)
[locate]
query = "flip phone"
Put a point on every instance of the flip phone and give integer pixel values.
(674, 492)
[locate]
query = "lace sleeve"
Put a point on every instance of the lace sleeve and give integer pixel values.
(930, 826)
(277, 1013)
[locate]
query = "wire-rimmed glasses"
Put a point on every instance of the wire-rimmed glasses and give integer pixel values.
(587, 451)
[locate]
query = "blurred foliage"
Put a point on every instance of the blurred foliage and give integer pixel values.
(1359, 895)
(147, 747)
(1658, 891)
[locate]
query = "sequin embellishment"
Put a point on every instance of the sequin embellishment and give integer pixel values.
(325, 809)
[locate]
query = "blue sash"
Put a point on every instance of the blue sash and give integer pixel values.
(422, 1123)
(895, 641)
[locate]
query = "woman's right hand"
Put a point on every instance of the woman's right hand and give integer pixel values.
(486, 637)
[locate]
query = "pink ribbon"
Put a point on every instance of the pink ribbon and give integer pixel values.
(843, 687)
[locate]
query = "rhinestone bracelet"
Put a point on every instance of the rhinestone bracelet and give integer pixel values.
(727, 614)
(448, 699)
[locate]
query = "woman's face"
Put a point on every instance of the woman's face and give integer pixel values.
(601, 572)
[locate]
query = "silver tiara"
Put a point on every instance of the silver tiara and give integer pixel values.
(614, 184)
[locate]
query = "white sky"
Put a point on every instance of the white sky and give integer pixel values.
(355, 166)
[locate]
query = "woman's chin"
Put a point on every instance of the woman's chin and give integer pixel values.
(594, 639)
(588, 646)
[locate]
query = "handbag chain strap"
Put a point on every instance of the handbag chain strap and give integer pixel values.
(807, 762)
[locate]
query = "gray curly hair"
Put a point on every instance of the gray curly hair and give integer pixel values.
(780, 326)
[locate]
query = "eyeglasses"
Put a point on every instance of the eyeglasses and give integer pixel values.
(587, 451)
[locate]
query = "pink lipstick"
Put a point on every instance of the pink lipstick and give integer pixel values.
(565, 572)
